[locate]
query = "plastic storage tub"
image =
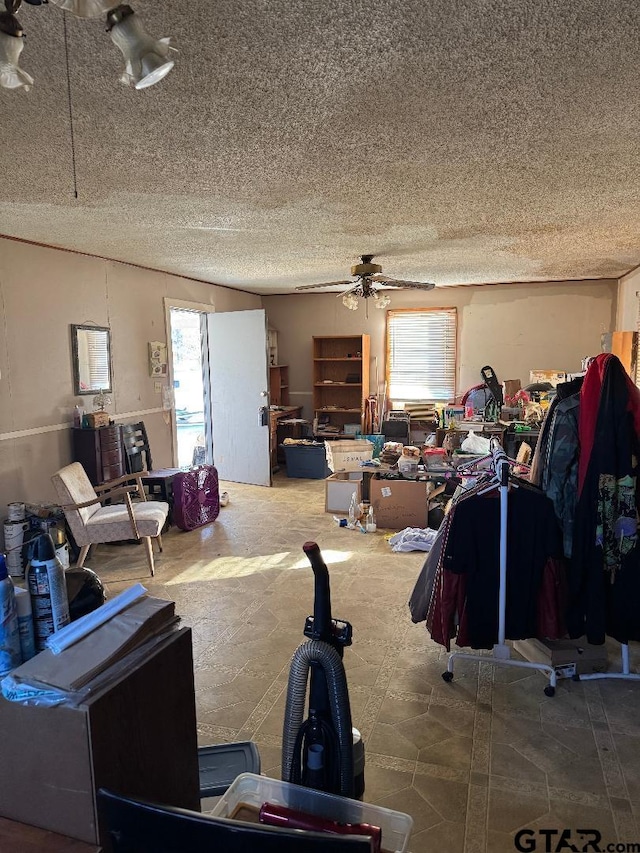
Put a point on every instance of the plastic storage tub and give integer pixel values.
(306, 461)
(252, 791)
(220, 764)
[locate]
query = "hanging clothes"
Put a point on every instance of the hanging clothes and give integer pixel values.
(464, 602)
(560, 474)
(604, 574)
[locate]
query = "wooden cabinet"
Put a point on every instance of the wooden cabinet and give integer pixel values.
(279, 385)
(274, 426)
(100, 452)
(340, 380)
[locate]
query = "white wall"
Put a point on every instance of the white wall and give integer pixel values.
(513, 327)
(627, 312)
(42, 292)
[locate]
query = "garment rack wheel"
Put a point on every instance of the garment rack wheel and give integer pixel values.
(447, 676)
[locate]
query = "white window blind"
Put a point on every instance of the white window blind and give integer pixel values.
(421, 355)
(98, 360)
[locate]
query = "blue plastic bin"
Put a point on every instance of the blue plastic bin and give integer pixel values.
(306, 461)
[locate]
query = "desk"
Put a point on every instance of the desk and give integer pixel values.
(276, 415)
(19, 838)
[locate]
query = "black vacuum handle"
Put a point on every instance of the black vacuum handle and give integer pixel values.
(322, 592)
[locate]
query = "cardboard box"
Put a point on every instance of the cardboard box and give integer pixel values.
(568, 657)
(347, 455)
(399, 503)
(338, 491)
(136, 737)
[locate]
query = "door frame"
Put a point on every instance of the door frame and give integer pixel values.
(200, 308)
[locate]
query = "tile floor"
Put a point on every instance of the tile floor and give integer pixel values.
(472, 762)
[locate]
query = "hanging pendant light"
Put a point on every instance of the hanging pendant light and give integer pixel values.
(11, 46)
(148, 60)
(85, 8)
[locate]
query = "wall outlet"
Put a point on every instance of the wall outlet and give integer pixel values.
(157, 387)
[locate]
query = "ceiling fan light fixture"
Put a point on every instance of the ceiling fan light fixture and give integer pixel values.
(11, 46)
(350, 301)
(381, 300)
(147, 60)
(85, 8)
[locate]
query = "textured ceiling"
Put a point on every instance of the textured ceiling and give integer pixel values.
(465, 141)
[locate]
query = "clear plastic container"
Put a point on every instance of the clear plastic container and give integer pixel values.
(252, 791)
(407, 465)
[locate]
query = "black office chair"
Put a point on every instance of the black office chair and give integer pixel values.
(134, 826)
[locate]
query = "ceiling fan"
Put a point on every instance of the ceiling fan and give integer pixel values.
(369, 281)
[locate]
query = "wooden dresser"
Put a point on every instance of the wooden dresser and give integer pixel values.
(100, 452)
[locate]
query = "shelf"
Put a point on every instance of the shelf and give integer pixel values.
(336, 401)
(338, 411)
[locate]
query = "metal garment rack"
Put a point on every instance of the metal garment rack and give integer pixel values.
(501, 654)
(625, 673)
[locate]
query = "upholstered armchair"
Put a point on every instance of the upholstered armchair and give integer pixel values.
(92, 523)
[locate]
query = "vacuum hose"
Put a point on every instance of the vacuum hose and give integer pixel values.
(322, 655)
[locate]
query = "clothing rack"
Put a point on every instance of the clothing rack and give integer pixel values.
(625, 673)
(501, 654)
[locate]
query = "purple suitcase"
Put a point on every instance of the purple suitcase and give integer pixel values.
(196, 497)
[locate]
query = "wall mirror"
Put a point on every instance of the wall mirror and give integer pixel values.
(91, 351)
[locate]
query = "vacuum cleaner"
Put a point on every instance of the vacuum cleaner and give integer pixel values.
(324, 751)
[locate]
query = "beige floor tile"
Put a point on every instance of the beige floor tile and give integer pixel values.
(447, 798)
(508, 762)
(387, 740)
(512, 810)
(444, 836)
(453, 752)
(380, 782)
(409, 801)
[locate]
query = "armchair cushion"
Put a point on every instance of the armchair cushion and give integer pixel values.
(112, 523)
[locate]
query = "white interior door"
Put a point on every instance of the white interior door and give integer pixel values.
(239, 376)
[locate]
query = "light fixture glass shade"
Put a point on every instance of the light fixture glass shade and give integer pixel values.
(11, 76)
(350, 301)
(148, 60)
(381, 300)
(85, 8)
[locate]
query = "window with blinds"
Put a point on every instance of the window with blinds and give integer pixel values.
(421, 355)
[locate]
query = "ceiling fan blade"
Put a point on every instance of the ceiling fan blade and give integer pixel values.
(386, 281)
(326, 284)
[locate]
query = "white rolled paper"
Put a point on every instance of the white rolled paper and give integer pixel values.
(70, 634)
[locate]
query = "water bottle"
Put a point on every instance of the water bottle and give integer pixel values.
(353, 511)
(370, 524)
(48, 589)
(10, 654)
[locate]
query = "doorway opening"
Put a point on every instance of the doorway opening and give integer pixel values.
(190, 386)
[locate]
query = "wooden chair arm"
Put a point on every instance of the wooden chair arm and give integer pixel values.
(110, 484)
(124, 490)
